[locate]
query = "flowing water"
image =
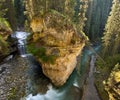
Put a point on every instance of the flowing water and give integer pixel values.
(40, 88)
(21, 41)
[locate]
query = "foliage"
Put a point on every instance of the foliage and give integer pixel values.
(4, 24)
(2, 10)
(41, 7)
(9, 12)
(3, 46)
(97, 13)
(112, 83)
(109, 61)
(19, 9)
(12, 94)
(111, 39)
(65, 8)
(105, 70)
(69, 8)
(40, 53)
(4, 32)
(80, 14)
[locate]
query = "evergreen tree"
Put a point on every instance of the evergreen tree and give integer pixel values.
(97, 13)
(69, 8)
(111, 37)
(10, 13)
(2, 10)
(80, 15)
(40, 7)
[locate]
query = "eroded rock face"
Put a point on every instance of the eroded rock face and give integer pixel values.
(60, 40)
(63, 67)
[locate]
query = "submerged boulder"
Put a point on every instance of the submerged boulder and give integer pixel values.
(56, 44)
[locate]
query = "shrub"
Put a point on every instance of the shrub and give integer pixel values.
(3, 46)
(40, 53)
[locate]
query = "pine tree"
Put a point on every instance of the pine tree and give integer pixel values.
(111, 37)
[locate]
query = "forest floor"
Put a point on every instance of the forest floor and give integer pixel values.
(90, 92)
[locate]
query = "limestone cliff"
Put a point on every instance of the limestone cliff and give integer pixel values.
(56, 44)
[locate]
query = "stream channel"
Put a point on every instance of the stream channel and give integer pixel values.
(79, 86)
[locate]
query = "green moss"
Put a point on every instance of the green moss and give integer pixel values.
(48, 59)
(3, 46)
(40, 53)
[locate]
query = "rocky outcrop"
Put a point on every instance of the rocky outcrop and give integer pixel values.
(56, 44)
(112, 85)
(63, 67)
